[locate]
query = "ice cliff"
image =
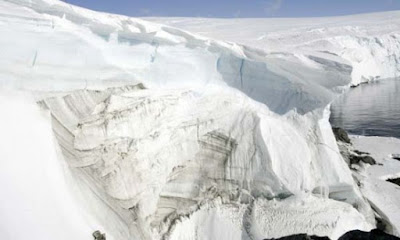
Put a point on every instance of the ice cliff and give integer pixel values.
(172, 135)
(367, 42)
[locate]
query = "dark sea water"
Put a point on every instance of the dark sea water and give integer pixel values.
(370, 109)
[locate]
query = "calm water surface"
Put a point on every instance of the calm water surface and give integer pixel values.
(369, 109)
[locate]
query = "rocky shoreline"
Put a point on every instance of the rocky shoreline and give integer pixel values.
(372, 167)
(356, 159)
(352, 235)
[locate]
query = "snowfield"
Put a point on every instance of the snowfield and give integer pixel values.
(163, 133)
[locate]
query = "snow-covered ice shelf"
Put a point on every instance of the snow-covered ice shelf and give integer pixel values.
(370, 43)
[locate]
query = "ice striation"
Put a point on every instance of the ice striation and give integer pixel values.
(180, 136)
(160, 155)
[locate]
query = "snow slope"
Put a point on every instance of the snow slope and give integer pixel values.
(41, 199)
(157, 125)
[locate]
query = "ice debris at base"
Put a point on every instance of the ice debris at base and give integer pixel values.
(165, 134)
(274, 218)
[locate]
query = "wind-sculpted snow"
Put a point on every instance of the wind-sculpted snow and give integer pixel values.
(176, 132)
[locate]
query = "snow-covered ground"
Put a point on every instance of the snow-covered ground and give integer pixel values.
(164, 133)
(383, 196)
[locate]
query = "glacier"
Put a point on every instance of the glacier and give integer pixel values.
(367, 42)
(173, 129)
